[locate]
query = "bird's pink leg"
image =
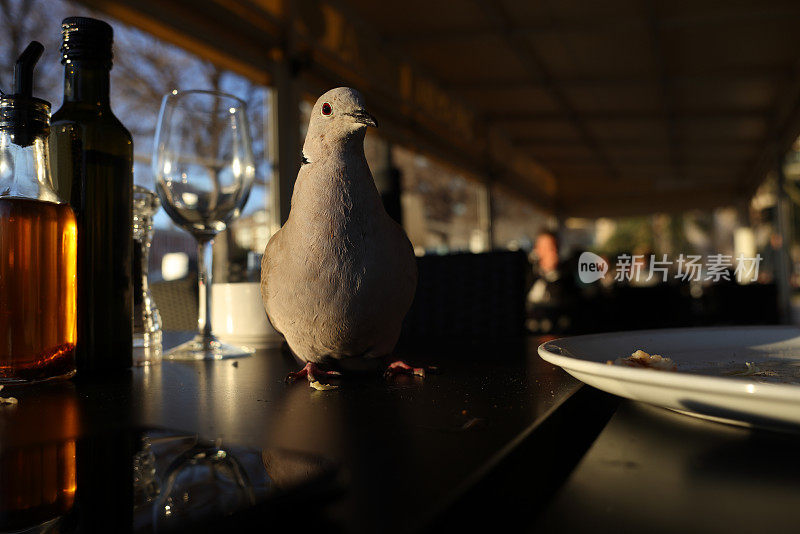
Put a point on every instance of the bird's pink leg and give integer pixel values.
(402, 368)
(311, 372)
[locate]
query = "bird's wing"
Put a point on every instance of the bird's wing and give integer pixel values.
(268, 289)
(412, 273)
(407, 261)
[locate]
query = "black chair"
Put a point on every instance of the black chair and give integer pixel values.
(177, 303)
(734, 304)
(463, 297)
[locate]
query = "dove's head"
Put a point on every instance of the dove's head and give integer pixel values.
(337, 117)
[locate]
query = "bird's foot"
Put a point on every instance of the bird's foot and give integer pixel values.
(313, 374)
(402, 368)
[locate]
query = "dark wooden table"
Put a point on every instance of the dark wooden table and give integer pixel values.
(410, 449)
(499, 440)
(652, 470)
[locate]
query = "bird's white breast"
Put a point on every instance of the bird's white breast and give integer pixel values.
(346, 280)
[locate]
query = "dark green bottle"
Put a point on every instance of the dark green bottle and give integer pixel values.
(92, 162)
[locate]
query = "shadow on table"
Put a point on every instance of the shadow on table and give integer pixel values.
(658, 471)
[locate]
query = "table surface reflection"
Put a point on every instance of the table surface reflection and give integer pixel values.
(653, 470)
(406, 447)
(500, 440)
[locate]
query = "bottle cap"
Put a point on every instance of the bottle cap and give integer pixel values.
(21, 114)
(84, 38)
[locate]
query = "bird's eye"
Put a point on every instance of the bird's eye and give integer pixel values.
(326, 109)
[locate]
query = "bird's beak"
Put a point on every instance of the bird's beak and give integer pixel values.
(363, 117)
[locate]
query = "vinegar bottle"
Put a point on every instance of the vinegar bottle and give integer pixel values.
(38, 242)
(93, 171)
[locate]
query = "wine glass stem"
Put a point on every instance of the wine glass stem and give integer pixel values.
(204, 259)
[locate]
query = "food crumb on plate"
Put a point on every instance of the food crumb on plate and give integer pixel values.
(642, 359)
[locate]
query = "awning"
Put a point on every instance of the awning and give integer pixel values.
(585, 108)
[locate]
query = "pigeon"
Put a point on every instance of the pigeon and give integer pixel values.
(340, 275)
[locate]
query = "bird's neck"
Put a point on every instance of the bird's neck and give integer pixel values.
(350, 148)
(324, 146)
(337, 185)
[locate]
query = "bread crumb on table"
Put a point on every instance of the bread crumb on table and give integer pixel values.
(8, 400)
(319, 386)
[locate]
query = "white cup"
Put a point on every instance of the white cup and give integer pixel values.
(238, 316)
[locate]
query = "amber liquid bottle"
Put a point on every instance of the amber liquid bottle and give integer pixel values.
(37, 272)
(38, 241)
(92, 156)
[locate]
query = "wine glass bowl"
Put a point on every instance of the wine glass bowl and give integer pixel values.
(203, 161)
(204, 167)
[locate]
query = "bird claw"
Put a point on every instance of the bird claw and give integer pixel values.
(311, 372)
(291, 378)
(402, 368)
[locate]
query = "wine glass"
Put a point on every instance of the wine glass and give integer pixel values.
(204, 482)
(203, 162)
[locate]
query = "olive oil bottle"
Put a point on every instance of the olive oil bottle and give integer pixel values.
(92, 159)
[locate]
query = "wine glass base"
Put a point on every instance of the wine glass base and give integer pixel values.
(201, 348)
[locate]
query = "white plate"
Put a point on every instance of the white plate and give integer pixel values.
(701, 387)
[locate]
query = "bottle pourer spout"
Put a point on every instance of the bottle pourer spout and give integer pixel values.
(23, 69)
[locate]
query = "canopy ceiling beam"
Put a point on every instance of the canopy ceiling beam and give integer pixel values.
(695, 159)
(627, 115)
(725, 75)
(656, 202)
(631, 142)
(598, 24)
(212, 30)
